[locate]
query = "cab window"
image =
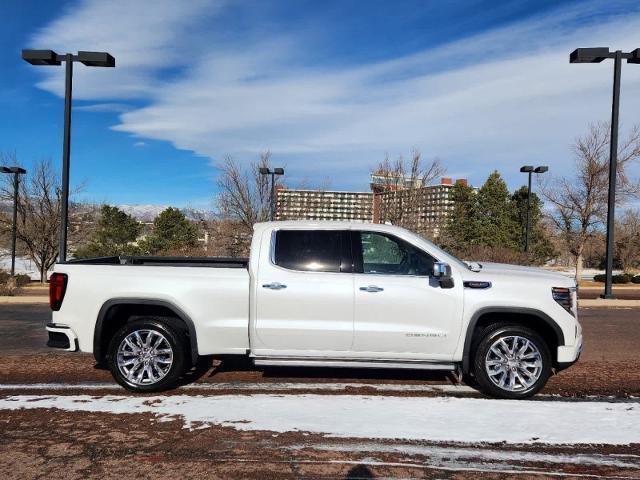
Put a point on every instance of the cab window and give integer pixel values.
(389, 255)
(309, 250)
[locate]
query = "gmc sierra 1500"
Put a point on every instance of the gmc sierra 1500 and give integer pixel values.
(329, 294)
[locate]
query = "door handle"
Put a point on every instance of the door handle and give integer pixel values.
(372, 289)
(274, 286)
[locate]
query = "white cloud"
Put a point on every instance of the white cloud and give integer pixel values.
(493, 100)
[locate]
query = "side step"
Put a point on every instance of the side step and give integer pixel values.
(350, 363)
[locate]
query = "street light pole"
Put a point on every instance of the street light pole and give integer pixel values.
(597, 55)
(49, 57)
(529, 170)
(17, 171)
(66, 156)
(272, 195)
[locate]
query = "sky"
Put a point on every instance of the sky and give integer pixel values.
(329, 88)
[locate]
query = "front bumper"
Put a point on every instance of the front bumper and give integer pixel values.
(569, 354)
(62, 337)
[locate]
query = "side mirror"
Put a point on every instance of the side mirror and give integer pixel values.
(442, 271)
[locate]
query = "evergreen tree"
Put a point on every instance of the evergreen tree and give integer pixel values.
(115, 233)
(461, 231)
(540, 247)
(172, 233)
(496, 223)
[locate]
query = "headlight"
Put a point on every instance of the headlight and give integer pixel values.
(564, 297)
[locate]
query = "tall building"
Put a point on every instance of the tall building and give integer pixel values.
(398, 201)
(423, 210)
(294, 204)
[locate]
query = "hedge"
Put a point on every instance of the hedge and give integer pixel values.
(621, 278)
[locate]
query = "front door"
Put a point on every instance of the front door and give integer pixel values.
(304, 294)
(401, 311)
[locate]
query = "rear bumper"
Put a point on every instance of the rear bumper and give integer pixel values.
(62, 337)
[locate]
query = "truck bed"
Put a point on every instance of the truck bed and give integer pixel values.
(211, 262)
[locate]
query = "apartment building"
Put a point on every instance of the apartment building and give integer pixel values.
(292, 204)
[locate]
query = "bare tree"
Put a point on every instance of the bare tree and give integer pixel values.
(403, 184)
(627, 240)
(38, 215)
(580, 200)
(244, 196)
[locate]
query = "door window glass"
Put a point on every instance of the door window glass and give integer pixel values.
(309, 250)
(385, 254)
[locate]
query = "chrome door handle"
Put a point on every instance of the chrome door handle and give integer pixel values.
(274, 286)
(372, 289)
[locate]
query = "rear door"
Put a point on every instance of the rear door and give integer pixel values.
(304, 298)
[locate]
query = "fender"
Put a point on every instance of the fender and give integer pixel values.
(97, 335)
(466, 360)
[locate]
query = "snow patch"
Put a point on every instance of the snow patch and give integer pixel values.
(442, 419)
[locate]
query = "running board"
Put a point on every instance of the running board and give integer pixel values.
(348, 363)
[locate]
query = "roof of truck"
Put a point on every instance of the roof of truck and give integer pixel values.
(326, 224)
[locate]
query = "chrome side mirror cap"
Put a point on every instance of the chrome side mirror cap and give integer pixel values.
(441, 270)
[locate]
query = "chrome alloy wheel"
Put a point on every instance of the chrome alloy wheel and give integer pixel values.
(145, 357)
(513, 363)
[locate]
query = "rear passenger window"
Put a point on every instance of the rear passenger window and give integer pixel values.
(309, 250)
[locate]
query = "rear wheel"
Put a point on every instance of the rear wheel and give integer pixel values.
(147, 355)
(511, 361)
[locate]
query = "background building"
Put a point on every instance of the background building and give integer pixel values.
(294, 204)
(399, 201)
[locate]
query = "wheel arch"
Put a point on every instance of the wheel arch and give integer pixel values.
(112, 311)
(529, 317)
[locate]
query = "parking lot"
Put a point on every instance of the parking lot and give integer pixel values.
(60, 416)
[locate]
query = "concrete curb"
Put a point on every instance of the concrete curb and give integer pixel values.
(602, 303)
(24, 300)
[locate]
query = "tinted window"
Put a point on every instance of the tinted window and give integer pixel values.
(309, 250)
(386, 254)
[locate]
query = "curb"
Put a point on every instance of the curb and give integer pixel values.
(24, 300)
(601, 302)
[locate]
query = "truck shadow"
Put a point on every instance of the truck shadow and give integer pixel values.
(238, 368)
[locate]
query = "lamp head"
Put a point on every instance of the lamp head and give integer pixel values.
(40, 57)
(588, 55)
(526, 169)
(541, 169)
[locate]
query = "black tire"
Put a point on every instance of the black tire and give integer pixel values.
(494, 333)
(174, 336)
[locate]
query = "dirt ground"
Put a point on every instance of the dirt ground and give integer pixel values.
(47, 443)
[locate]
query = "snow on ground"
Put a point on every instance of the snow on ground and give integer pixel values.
(23, 265)
(440, 419)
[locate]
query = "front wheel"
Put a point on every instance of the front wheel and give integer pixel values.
(511, 361)
(147, 355)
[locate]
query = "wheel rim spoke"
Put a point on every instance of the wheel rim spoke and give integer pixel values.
(145, 357)
(513, 363)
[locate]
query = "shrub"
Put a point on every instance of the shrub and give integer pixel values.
(22, 279)
(636, 279)
(9, 288)
(620, 278)
(4, 276)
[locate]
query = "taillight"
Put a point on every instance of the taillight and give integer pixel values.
(57, 289)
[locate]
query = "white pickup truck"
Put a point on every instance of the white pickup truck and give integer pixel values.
(327, 294)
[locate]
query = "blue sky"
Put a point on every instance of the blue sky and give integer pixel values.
(328, 87)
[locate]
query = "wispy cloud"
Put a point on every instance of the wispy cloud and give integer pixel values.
(492, 100)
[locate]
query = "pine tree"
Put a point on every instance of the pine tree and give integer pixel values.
(461, 231)
(172, 233)
(115, 234)
(497, 226)
(540, 247)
